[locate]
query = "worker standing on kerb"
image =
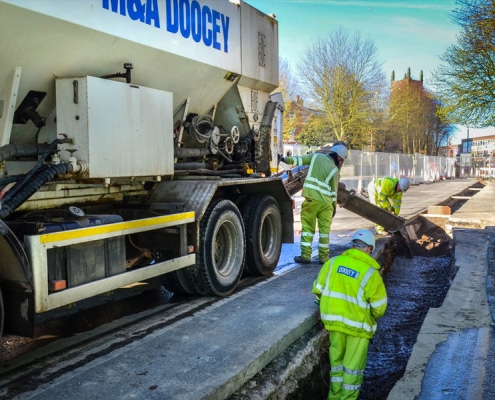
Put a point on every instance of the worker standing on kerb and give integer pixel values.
(351, 295)
(387, 193)
(320, 198)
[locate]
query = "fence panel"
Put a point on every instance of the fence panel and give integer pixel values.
(363, 166)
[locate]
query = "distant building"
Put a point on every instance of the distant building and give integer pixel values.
(451, 151)
(483, 151)
(465, 155)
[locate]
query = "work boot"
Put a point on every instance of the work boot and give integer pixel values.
(300, 260)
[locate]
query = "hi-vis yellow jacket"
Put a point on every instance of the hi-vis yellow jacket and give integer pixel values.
(322, 180)
(386, 195)
(351, 293)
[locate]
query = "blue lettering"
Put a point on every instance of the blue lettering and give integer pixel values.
(172, 17)
(225, 28)
(152, 13)
(216, 29)
(115, 5)
(206, 18)
(200, 23)
(196, 21)
(136, 10)
(348, 272)
(185, 20)
(186, 17)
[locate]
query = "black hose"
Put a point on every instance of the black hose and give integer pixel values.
(44, 175)
(39, 165)
(10, 151)
(9, 179)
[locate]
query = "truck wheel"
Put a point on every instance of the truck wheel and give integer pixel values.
(177, 282)
(222, 250)
(263, 224)
(2, 313)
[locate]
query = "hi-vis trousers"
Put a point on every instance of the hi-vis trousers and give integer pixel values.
(348, 356)
(312, 211)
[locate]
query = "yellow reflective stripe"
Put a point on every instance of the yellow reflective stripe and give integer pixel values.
(109, 228)
(354, 371)
(308, 234)
(324, 235)
(327, 191)
(347, 386)
(306, 244)
(324, 185)
(337, 368)
(349, 299)
(330, 175)
(341, 296)
(379, 303)
(355, 324)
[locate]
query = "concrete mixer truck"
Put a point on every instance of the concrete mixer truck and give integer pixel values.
(138, 140)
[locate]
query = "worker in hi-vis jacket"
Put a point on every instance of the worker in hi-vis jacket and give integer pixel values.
(351, 295)
(387, 193)
(320, 199)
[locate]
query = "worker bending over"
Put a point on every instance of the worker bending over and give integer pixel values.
(387, 193)
(320, 199)
(351, 295)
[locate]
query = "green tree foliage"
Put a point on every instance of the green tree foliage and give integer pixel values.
(341, 75)
(466, 81)
(316, 131)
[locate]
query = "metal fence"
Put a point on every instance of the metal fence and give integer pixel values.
(363, 166)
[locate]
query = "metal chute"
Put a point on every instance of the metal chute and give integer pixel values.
(348, 199)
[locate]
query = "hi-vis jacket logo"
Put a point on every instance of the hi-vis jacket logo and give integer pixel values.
(185, 17)
(348, 271)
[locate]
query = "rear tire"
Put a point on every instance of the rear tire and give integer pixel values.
(221, 254)
(177, 282)
(263, 224)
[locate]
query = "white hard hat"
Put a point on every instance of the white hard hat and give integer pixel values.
(341, 150)
(404, 184)
(364, 236)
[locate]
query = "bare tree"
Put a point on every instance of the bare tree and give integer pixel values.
(341, 75)
(293, 104)
(417, 117)
(466, 81)
(287, 82)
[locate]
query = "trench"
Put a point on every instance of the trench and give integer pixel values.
(418, 270)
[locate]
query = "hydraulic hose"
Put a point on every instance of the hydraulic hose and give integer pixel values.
(45, 175)
(10, 151)
(9, 179)
(48, 149)
(189, 165)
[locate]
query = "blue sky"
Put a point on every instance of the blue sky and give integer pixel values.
(407, 34)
